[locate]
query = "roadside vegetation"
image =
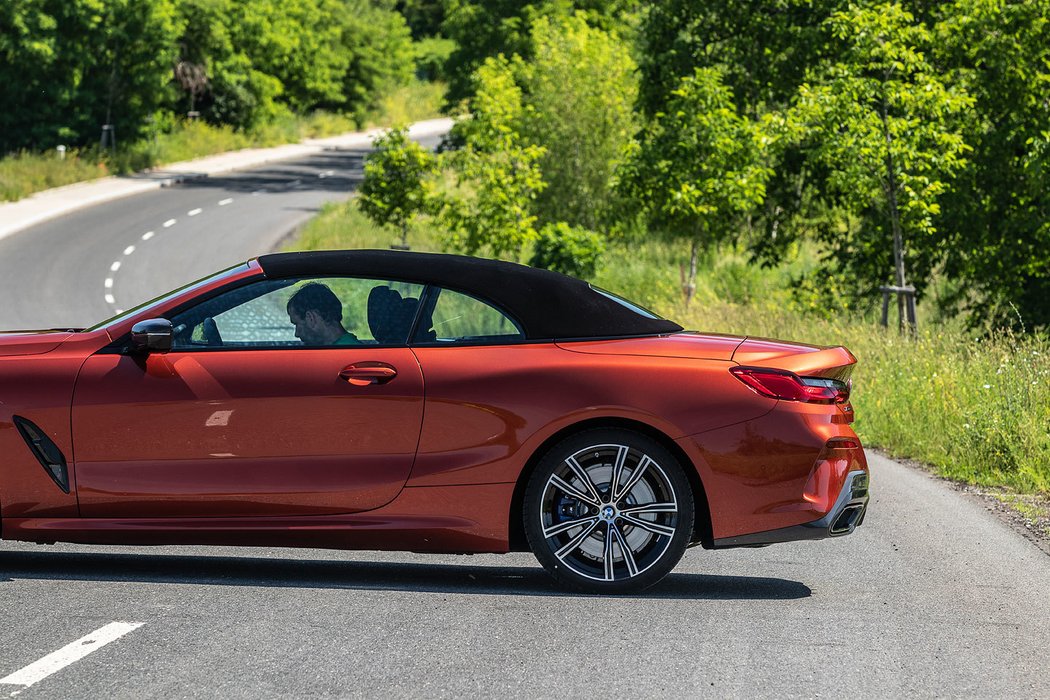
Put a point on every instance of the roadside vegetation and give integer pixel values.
(123, 86)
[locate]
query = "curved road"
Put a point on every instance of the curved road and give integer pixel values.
(932, 596)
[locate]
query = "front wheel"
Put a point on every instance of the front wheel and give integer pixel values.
(608, 511)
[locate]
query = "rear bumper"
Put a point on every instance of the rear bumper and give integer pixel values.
(845, 515)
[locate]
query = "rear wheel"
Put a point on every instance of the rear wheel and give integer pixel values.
(608, 511)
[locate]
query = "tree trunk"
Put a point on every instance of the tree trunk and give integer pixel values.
(689, 288)
(895, 222)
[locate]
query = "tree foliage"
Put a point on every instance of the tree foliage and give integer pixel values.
(567, 249)
(698, 167)
(69, 66)
(499, 173)
(484, 29)
(579, 92)
(885, 123)
(396, 185)
(998, 210)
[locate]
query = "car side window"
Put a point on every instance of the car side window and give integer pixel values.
(304, 312)
(459, 318)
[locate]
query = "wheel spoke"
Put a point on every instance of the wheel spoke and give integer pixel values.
(617, 474)
(650, 508)
(636, 476)
(568, 525)
(583, 476)
(573, 491)
(628, 555)
(610, 573)
(577, 540)
(655, 528)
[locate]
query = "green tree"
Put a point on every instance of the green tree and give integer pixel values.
(881, 118)
(567, 249)
(498, 173)
(379, 51)
(698, 168)
(998, 210)
(483, 29)
(396, 183)
(237, 92)
(70, 66)
(763, 48)
(578, 93)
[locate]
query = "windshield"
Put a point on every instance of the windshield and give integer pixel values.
(165, 297)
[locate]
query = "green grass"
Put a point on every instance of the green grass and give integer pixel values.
(975, 409)
(22, 174)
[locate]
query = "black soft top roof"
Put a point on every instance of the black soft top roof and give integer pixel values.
(547, 304)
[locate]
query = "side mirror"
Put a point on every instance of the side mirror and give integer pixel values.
(152, 335)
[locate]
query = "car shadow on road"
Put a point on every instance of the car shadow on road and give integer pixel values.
(358, 575)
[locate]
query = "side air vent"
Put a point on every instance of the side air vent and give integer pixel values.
(46, 452)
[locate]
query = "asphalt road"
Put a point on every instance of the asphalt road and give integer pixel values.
(932, 596)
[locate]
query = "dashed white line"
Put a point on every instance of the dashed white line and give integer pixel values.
(169, 223)
(147, 235)
(194, 212)
(224, 202)
(115, 266)
(325, 174)
(129, 250)
(109, 283)
(70, 653)
(110, 299)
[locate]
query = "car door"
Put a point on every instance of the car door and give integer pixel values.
(243, 418)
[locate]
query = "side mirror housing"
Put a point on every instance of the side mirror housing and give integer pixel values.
(152, 335)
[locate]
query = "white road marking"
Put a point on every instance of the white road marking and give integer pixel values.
(115, 266)
(129, 250)
(169, 223)
(194, 212)
(224, 202)
(326, 173)
(109, 283)
(70, 653)
(147, 235)
(110, 299)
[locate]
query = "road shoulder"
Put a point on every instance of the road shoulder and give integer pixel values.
(1028, 515)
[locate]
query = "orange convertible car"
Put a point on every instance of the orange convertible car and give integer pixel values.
(434, 403)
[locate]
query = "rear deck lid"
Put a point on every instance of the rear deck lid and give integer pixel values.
(687, 345)
(802, 359)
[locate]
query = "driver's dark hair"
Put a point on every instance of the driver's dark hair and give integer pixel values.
(317, 297)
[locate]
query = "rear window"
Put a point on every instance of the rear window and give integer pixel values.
(645, 313)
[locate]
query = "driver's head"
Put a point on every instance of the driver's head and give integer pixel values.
(316, 313)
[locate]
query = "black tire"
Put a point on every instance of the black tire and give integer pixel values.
(570, 515)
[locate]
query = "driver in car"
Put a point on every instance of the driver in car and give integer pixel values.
(317, 315)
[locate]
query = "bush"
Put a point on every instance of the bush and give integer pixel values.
(567, 249)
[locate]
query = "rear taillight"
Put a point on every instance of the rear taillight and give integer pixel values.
(788, 386)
